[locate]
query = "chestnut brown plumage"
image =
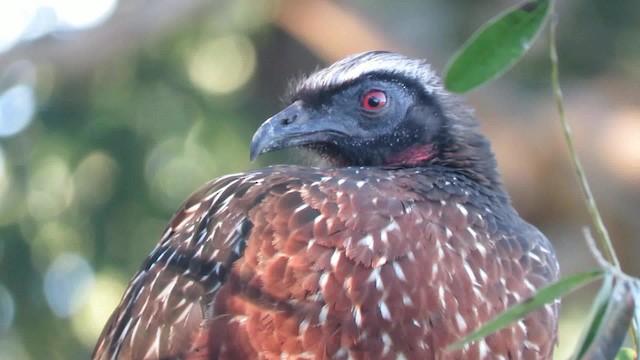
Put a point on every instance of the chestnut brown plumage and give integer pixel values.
(403, 244)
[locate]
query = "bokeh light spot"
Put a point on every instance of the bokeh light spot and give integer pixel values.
(54, 238)
(94, 179)
(222, 65)
(81, 14)
(174, 169)
(12, 347)
(17, 106)
(23, 20)
(68, 283)
(621, 144)
(50, 188)
(103, 299)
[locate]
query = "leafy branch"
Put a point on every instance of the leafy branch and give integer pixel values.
(490, 52)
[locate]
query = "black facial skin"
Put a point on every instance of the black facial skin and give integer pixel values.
(411, 130)
(335, 125)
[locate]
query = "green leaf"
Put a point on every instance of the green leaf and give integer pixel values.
(635, 290)
(626, 354)
(497, 46)
(611, 315)
(545, 295)
(598, 309)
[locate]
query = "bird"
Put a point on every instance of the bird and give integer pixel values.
(399, 241)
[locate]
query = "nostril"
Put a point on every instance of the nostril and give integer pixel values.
(289, 119)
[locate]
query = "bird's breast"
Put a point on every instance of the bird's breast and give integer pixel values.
(331, 271)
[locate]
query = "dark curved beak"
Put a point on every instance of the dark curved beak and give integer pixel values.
(294, 126)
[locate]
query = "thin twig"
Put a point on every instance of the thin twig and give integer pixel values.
(601, 230)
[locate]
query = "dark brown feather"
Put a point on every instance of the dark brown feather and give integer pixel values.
(361, 262)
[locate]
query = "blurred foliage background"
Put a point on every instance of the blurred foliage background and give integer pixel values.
(112, 112)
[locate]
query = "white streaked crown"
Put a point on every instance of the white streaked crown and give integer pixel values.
(373, 62)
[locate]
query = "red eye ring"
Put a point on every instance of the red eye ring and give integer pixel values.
(374, 100)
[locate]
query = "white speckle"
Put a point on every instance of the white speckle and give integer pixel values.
(529, 285)
(535, 257)
(335, 258)
(463, 209)
(481, 249)
(401, 356)
(472, 276)
(410, 256)
(529, 345)
(375, 274)
(393, 225)
(347, 242)
(340, 353)
(384, 238)
(416, 323)
(310, 243)
(472, 232)
(440, 253)
(399, 272)
(154, 349)
(366, 241)
(357, 315)
(448, 233)
(434, 270)
(388, 343)
(441, 296)
(447, 183)
(384, 310)
(549, 309)
(406, 300)
(443, 203)
(379, 261)
(339, 194)
(522, 327)
(483, 348)
(168, 289)
(360, 183)
(341, 181)
(322, 317)
(193, 207)
(324, 279)
(477, 292)
(300, 208)
(379, 283)
(374, 201)
(462, 325)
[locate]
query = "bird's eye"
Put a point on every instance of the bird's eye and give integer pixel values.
(374, 100)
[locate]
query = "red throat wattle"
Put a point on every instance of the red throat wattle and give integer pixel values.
(412, 156)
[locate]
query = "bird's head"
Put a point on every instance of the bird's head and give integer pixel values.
(378, 109)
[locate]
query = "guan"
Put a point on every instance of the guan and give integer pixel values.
(402, 242)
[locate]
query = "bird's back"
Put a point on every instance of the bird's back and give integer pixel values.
(365, 262)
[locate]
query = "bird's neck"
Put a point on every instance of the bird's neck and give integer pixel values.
(412, 156)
